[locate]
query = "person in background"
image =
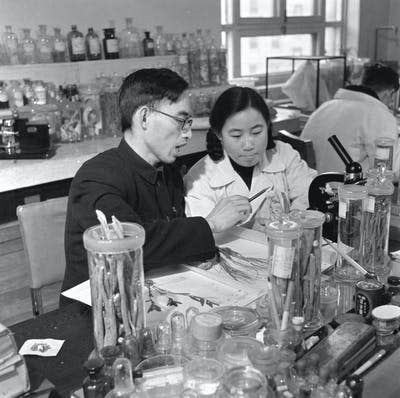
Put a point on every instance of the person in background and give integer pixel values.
(357, 115)
(243, 159)
(138, 182)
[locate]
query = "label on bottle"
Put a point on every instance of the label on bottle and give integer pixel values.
(342, 209)
(45, 49)
(382, 153)
(112, 45)
(29, 48)
(40, 95)
(370, 204)
(78, 46)
(59, 46)
(282, 261)
(94, 46)
(12, 44)
(150, 44)
(183, 59)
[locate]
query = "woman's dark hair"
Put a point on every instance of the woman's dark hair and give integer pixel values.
(380, 77)
(146, 87)
(230, 102)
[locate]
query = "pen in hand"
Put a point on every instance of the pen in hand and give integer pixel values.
(259, 193)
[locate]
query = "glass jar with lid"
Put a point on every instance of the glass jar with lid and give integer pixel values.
(384, 147)
(310, 264)
(377, 221)
(284, 289)
(110, 115)
(91, 113)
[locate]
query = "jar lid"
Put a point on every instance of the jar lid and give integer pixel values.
(284, 228)
(384, 141)
(308, 218)
(352, 192)
(238, 321)
(206, 326)
(386, 312)
(134, 235)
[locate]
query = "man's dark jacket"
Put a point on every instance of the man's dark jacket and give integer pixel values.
(119, 182)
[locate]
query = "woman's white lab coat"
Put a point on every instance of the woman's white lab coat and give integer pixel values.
(281, 170)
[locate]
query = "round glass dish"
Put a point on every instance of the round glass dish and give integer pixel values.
(239, 321)
(237, 350)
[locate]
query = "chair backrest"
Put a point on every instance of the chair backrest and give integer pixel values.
(303, 146)
(42, 228)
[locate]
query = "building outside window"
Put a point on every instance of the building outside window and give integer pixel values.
(255, 29)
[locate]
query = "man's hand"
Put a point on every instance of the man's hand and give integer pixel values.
(229, 212)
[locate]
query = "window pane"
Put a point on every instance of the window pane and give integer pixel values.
(333, 10)
(254, 51)
(257, 8)
(299, 8)
(332, 41)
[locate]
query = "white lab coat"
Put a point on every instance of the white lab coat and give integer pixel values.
(281, 169)
(357, 119)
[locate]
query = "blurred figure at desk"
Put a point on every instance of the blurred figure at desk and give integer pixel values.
(138, 181)
(357, 115)
(243, 159)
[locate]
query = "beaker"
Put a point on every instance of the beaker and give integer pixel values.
(116, 283)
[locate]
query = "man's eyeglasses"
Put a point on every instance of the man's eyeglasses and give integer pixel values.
(185, 123)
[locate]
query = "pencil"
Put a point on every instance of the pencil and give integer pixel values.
(257, 194)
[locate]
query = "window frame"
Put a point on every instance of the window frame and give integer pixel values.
(237, 27)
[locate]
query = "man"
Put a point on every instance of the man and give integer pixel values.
(138, 182)
(357, 115)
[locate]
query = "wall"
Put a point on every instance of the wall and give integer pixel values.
(373, 13)
(393, 47)
(176, 16)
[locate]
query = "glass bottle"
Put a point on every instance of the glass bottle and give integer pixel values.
(44, 46)
(384, 147)
(284, 289)
(202, 376)
(96, 384)
(119, 261)
(160, 44)
(147, 347)
(28, 47)
(4, 102)
(130, 347)
(110, 44)
(130, 43)
(178, 332)
(11, 45)
(194, 66)
(213, 64)
(123, 381)
(377, 221)
(110, 353)
(93, 47)
(310, 264)
(183, 64)
(15, 94)
(148, 45)
(59, 46)
(76, 45)
(204, 72)
(169, 44)
(351, 224)
(222, 66)
(163, 334)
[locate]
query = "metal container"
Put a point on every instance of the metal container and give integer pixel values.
(369, 294)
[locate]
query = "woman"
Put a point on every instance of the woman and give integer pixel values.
(243, 159)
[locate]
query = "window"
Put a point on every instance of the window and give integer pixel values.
(255, 29)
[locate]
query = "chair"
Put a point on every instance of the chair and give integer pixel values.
(303, 146)
(42, 229)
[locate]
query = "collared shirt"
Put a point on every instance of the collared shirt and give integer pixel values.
(281, 170)
(119, 182)
(357, 119)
